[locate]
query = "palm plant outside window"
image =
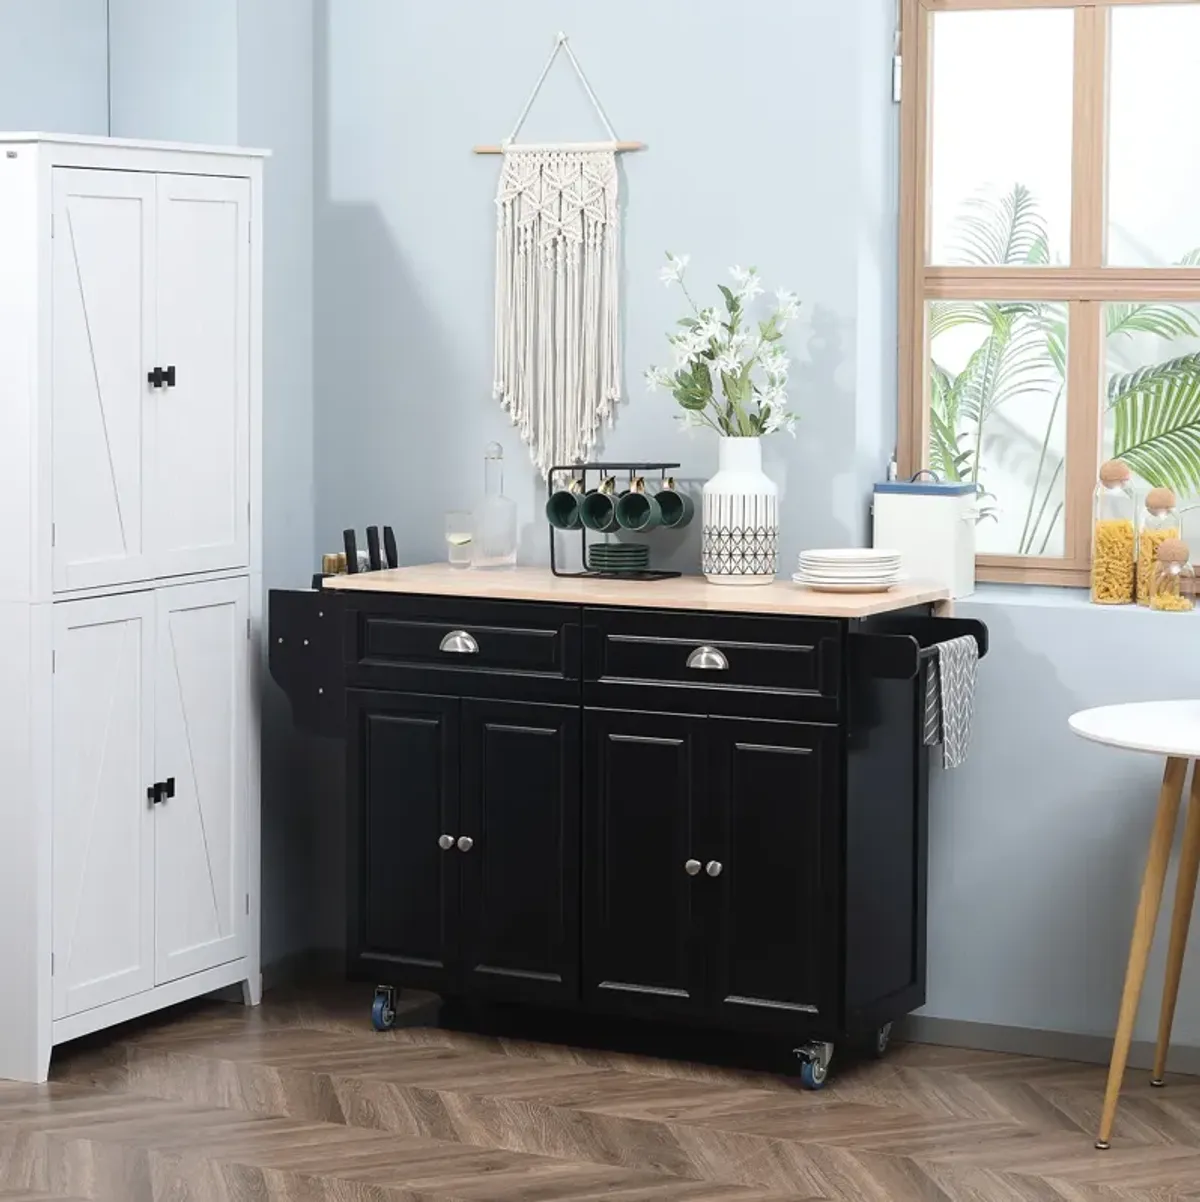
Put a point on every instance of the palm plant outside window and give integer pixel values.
(1050, 273)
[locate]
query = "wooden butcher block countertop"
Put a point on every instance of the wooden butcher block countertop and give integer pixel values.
(687, 592)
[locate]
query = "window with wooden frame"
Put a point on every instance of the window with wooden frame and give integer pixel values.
(1050, 262)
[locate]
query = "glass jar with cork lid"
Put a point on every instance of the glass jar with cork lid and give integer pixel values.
(1159, 522)
(1113, 541)
(1173, 581)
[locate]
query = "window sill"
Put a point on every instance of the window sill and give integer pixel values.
(1047, 596)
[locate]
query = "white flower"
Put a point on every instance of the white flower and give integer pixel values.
(750, 289)
(779, 420)
(676, 266)
(709, 327)
(743, 340)
(741, 276)
(729, 362)
(776, 364)
(656, 378)
(687, 349)
(789, 307)
(690, 420)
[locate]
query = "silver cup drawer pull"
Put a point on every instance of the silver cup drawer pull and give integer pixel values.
(692, 867)
(459, 642)
(708, 659)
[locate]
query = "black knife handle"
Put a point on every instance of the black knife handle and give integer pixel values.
(373, 548)
(351, 541)
(389, 547)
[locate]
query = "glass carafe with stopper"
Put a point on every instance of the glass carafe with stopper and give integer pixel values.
(1160, 521)
(1113, 544)
(495, 544)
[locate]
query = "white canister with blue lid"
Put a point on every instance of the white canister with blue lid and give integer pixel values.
(931, 522)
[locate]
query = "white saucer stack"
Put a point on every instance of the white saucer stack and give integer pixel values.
(852, 570)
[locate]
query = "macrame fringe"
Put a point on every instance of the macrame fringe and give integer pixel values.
(558, 368)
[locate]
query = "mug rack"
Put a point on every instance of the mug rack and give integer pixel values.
(580, 471)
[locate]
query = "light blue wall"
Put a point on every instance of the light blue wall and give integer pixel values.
(275, 110)
(1039, 841)
(175, 69)
(771, 141)
(54, 66)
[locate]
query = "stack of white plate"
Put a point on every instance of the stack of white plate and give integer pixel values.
(852, 570)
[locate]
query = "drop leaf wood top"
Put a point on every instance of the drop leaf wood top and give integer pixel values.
(687, 592)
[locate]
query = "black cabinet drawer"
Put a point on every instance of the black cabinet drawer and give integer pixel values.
(705, 663)
(452, 646)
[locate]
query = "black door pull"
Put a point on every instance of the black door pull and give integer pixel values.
(160, 378)
(158, 792)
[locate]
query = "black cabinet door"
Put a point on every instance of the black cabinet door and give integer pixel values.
(520, 850)
(773, 951)
(403, 802)
(645, 795)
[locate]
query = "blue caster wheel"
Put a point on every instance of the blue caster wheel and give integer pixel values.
(383, 1010)
(813, 1074)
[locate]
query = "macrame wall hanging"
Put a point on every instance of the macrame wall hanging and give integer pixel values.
(558, 342)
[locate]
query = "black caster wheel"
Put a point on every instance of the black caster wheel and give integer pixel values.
(383, 1009)
(880, 1042)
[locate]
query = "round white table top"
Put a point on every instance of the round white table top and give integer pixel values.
(1170, 728)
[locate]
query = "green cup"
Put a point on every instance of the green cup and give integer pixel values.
(598, 510)
(637, 510)
(562, 508)
(677, 507)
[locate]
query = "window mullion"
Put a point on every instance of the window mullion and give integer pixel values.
(1088, 184)
(1085, 355)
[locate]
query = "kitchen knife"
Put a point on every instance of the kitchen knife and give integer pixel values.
(389, 547)
(351, 541)
(373, 548)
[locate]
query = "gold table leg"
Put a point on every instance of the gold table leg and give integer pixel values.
(1143, 936)
(1185, 898)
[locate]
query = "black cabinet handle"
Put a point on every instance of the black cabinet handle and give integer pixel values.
(158, 792)
(160, 378)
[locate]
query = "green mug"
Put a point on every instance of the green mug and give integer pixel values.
(677, 507)
(637, 510)
(598, 510)
(563, 507)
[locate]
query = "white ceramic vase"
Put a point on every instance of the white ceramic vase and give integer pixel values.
(740, 541)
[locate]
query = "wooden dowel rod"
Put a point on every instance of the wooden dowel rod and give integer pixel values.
(619, 147)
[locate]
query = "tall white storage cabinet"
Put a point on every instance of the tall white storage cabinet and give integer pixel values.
(130, 583)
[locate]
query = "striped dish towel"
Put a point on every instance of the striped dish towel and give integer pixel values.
(950, 698)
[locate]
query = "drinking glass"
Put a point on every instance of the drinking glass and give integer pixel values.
(460, 534)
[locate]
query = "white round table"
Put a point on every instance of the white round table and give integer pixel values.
(1170, 729)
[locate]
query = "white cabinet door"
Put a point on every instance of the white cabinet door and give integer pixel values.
(102, 303)
(103, 764)
(202, 705)
(202, 462)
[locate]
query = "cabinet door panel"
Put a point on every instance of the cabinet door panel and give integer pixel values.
(403, 789)
(103, 838)
(102, 302)
(202, 715)
(202, 466)
(645, 797)
(775, 791)
(520, 807)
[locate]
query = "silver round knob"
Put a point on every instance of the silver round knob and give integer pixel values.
(446, 842)
(714, 868)
(466, 843)
(692, 867)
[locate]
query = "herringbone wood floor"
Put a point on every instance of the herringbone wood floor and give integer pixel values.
(301, 1101)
